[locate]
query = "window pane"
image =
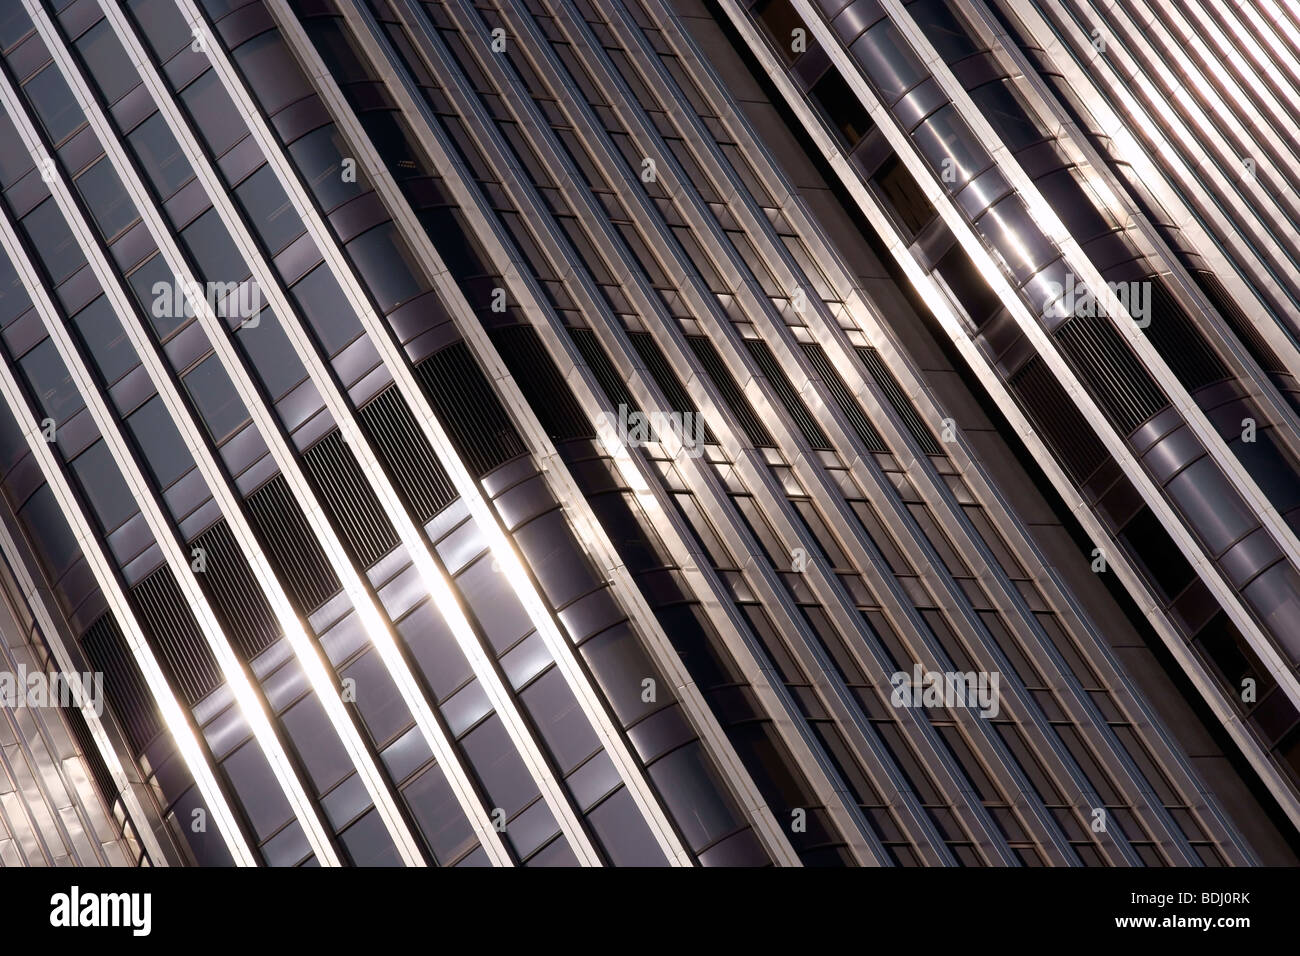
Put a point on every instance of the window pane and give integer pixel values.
(388, 267)
(272, 75)
(214, 396)
(319, 156)
(107, 491)
(271, 354)
(107, 62)
(154, 286)
(160, 156)
(105, 340)
(106, 199)
(213, 251)
(54, 104)
(49, 533)
(49, 380)
(214, 114)
(319, 299)
(893, 67)
(55, 247)
(160, 441)
(267, 207)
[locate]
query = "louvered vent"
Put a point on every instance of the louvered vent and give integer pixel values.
(1057, 419)
(1237, 321)
(840, 392)
(412, 466)
(1179, 342)
(291, 547)
(469, 409)
(665, 377)
(233, 592)
(124, 686)
(1113, 375)
(90, 751)
(894, 395)
(175, 636)
(542, 384)
(716, 369)
(603, 369)
(786, 393)
(352, 504)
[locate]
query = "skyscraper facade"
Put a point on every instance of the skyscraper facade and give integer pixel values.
(649, 432)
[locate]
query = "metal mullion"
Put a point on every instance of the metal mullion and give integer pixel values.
(1056, 231)
(36, 745)
(941, 493)
(1254, 38)
(1119, 90)
(1202, 100)
(1241, 280)
(1081, 150)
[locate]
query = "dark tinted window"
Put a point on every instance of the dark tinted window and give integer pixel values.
(160, 156)
(267, 207)
(213, 111)
(321, 302)
(272, 74)
(904, 196)
(215, 398)
(268, 348)
(154, 286)
(214, 252)
(943, 29)
(160, 441)
(163, 26)
(891, 65)
(53, 240)
(1002, 108)
(108, 493)
(841, 106)
(54, 103)
(105, 339)
(105, 198)
(49, 532)
(50, 382)
(387, 265)
(107, 62)
(319, 157)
